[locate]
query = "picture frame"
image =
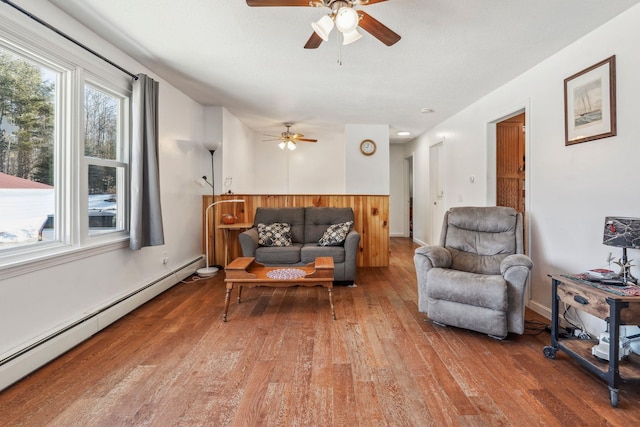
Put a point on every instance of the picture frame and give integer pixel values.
(590, 103)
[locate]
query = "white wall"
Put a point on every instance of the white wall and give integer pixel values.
(36, 304)
(333, 165)
(570, 188)
(237, 151)
(367, 174)
(312, 168)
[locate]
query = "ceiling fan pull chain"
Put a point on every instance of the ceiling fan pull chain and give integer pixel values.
(339, 48)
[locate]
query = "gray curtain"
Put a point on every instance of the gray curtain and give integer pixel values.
(146, 214)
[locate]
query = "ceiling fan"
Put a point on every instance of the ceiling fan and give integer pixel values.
(343, 15)
(289, 139)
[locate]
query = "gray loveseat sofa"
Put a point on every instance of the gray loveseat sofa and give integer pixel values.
(308, 225)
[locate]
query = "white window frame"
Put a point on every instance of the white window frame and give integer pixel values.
(37, 44)
(121, 163)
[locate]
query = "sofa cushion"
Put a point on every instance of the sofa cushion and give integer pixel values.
(276, 234)
(292, 216)
(318, 219)
(310, 251)
(335, 234)
(279, 255)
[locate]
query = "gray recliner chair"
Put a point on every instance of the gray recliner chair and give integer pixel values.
(476, 278)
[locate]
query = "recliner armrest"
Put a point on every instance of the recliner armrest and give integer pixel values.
(515, 260)
(438, 256)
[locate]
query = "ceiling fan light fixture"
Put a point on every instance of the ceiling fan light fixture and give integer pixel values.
(347, 19)
(351, 37)
(282, 145)
(291, 146)
(323, 27)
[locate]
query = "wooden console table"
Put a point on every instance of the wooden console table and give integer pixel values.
(245, 271)
(617, 309)
(231, 227)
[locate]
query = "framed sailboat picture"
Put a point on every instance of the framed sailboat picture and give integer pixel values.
(590, 103)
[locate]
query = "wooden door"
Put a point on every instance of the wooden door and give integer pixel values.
(510, 163)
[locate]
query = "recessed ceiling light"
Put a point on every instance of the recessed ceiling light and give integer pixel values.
(426, 110)
(403, 133)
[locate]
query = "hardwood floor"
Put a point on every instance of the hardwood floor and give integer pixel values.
(281, 361)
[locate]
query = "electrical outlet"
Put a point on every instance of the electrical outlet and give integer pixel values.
(165, 258)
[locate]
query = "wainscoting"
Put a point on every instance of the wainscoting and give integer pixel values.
(371, 221)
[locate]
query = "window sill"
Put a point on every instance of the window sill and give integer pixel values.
(51, 257)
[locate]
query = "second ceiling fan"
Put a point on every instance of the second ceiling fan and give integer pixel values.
(343, 15)
(289, 139)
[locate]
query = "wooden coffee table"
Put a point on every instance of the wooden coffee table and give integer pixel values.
(245, 271)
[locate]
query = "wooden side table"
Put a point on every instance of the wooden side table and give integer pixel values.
(229, 227)
(617, 309)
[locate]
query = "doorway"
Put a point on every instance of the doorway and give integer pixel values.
(436, 190)
(409, 196)
(511, 163)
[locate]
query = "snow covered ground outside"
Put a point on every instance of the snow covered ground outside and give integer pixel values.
(24, 211)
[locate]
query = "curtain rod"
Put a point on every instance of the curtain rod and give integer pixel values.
(68, 37)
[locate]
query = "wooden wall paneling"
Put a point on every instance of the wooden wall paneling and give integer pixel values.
(371, 214)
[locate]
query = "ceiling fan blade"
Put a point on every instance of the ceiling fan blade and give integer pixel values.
(260, 3)
(314, 41)
(377, 29)
(366, 3)
(306, 140)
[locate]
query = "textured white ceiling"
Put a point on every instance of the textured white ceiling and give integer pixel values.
(251, 60)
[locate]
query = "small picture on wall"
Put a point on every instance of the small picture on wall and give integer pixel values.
(590, 103)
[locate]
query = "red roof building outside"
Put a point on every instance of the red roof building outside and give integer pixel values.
(10, 181)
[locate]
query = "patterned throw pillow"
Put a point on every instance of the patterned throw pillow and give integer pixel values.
(276, 234)
(335, 234)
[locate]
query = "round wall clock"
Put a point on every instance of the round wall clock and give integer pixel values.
(367, 147)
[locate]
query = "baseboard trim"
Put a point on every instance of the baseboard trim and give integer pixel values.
(419, 242)
(540, 309)
(21, 363)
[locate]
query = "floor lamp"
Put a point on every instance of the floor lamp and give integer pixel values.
(211, 270)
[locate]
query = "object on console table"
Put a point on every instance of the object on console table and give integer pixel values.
(601, 273)
(623, 233)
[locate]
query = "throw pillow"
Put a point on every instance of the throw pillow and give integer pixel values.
(276, 234)
(335, 234)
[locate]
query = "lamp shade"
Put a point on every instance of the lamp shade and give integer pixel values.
(282, 145)
(291, 146)
(211, 145)
(323, 27)
(351, 37)
(622, 232)
(347, 19)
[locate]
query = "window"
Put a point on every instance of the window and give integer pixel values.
(28, 93)
(105, 154)
(64, 150)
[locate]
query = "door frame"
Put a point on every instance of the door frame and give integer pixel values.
(492, 141)
(436, 179)
(409, 190)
